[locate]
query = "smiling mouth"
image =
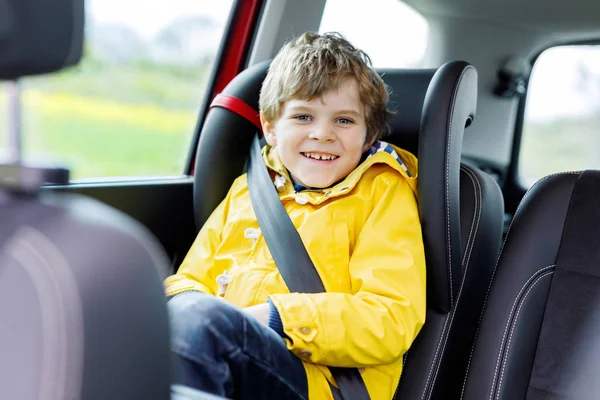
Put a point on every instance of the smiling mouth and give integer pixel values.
(320, 156)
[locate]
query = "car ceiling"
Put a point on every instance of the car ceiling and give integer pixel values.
(535, 15)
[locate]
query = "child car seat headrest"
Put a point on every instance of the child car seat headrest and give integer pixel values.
(226, 136)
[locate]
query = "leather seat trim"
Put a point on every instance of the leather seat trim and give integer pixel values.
(466, 258)
(513, 318)
(445, 331)
(475, 223)
(531, 189)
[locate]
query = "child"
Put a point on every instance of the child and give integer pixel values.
(237, 331)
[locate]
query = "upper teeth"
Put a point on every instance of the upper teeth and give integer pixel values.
(320, 156)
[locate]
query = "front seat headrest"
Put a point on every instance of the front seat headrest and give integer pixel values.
(39, 37)
(81, 302)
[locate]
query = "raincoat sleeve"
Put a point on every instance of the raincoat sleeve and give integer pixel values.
(198, 270)
(378, 322)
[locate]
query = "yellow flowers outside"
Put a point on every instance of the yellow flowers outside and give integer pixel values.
(158, 120)
(99, 137)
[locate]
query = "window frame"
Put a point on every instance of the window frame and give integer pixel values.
(514, 182)
(230, 59)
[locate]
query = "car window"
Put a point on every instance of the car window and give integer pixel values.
(129, 109)
(389, 31)
(562, 114)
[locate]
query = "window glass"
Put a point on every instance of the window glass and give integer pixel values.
(562, 116)
(389, 31)
(130, 108)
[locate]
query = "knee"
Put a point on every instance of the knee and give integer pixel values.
(195, 315)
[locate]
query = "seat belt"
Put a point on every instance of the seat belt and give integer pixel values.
(290, 255)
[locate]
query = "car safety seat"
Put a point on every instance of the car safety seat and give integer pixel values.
(461, 207)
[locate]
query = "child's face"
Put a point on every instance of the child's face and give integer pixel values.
(320, 141)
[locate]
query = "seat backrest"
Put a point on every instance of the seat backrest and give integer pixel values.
(81, 302)
(438, 102)
(82, 308)
(540, 333)
(461, 211)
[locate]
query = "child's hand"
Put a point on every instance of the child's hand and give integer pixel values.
(260, 312)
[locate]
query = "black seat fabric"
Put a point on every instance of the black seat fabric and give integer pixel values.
(224, 144)
(539, 336)
(408, 90)
(81, 302)
(438, 359)
(461, 211)
(464, 217)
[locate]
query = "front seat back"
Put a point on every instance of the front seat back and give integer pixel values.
(540, 333)
(81, 302)
(82, 309)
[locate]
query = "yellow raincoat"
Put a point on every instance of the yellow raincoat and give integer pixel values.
(364, 237)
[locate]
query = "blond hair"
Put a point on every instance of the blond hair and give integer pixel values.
(313, 64)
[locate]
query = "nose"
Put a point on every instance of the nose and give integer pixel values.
(323, 132)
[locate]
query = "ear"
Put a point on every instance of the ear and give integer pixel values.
(368, 145)
(268, 131)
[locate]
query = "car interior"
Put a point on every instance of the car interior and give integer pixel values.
(117, 149)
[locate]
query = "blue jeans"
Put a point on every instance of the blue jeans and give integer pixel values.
(221, 350)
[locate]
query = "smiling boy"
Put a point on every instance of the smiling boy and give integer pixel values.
(320, 141)
(237, 330)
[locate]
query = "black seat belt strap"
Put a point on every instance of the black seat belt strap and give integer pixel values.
(282, 238)
(290, 255)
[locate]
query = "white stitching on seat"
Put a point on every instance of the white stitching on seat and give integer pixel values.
(505, 358)
(475, 230)
(478, 207)
(509, 322)
(445, 329)
(448, 147)
(496, 267)
(435, 357)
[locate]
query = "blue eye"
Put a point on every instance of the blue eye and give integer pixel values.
(302, 117)
(345, 121)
